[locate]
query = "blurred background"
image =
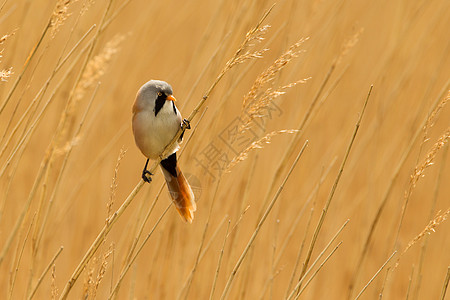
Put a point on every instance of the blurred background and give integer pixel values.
(71, 70)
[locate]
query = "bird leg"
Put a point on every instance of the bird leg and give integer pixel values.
(187, 125)
(146, 173)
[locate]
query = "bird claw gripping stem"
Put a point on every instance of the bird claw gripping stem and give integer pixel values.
(187, 124)
(146, 174)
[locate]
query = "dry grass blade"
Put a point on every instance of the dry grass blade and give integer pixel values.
(311, 195)
(38, 283)
(187, 285)
(318, 269)
(219, 263)
(374, 276)
(299, 283)
(333, 189)
(312, 107)
(19, 259)
(99, 239)
(409, 282)
(139, 249)
(260, 223)
(25, 67)
(202, 254)
(299, 253)
(445, 286)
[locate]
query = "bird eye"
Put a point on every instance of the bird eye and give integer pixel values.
(159, 94)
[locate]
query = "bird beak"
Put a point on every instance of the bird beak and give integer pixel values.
(171, 98)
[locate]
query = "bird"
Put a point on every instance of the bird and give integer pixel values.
(155, 122)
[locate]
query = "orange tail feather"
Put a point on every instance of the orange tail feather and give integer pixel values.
(181, 193)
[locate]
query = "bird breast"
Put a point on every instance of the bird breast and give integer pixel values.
(153, 133)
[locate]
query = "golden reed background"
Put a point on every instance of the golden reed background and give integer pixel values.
(62, 133)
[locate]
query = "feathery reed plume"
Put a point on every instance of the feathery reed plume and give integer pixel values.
(256, 35)
(60, 14)
(97, 66)
(68, 146)
(5, 73)
(255, 108)
(101, 272)
(86, 5)
(349, 44)
(95, 69)
(429, 160)
(434, 114)
(269, 74)
(96, 273)
(431, 227)
(259, 144)
(55, 291)
(113, 187)
(6, 36)
(89, 279)
(419, 172)
(255, 101)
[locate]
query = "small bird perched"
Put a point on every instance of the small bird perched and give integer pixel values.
(156, 120)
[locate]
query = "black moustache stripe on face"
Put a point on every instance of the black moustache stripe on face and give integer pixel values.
(159, 103)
